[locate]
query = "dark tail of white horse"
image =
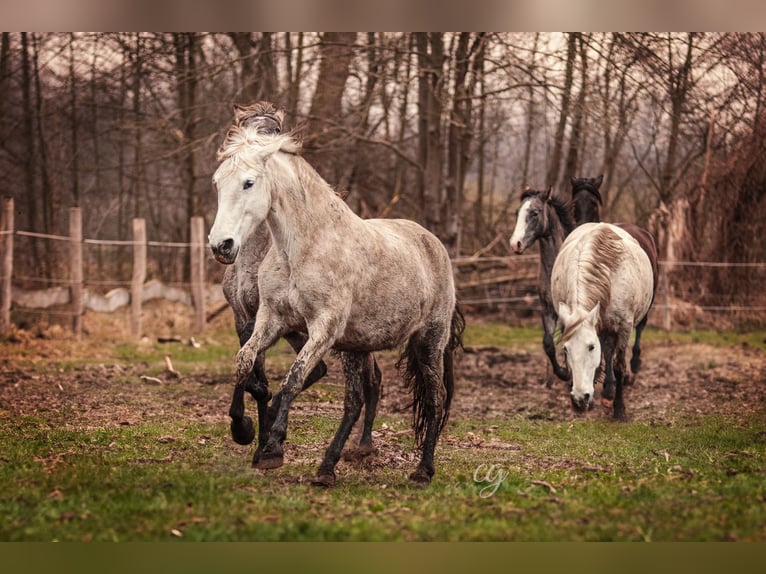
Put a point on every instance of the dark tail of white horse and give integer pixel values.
(419, 380)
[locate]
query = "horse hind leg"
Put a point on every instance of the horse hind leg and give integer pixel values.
(424, 373)
(371, 385)
(635, 359)
(353, 369)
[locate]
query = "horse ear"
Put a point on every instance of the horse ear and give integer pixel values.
(280, 116)
(549, 193)
(239, 112)
(599, 180)
(565, 313)
(593, 314)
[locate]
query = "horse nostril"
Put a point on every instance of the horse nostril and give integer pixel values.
(225, 246)
(586, 397)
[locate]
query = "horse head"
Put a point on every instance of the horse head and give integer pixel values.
(243, 186)
(587, 198)
(582, 351)
(530, 219)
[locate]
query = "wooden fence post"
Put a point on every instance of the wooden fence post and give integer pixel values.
(139, 275)
(75, 265)
(6, 240)
(197, 255)
(667, 320)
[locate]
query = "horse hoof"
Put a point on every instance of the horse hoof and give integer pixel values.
(243, 431)
(420, 477)
(324, 479)
(269, 460)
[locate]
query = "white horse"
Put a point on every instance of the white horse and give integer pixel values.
(353, 285)
(602, 285)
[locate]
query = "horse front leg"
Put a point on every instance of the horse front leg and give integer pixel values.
(297, 341)
(251, 377)
(353, 369)
(607, 349)
(272, 455)
(549, 345)
(619, 373)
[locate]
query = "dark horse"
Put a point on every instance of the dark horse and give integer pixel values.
(587, 201)
(240, 287)
(545, 218)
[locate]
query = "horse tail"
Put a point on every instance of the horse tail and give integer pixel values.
(416, 377)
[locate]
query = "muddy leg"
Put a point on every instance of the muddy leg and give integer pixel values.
(635, 359)
(429, 402)
(242, 428)
(619, 374)
(272, 455)
(371, 380)
(607, 349)
(353, 369)
(549, 325)
(296, 341)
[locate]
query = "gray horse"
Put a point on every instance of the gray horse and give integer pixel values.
(240, 287)
(353, 285)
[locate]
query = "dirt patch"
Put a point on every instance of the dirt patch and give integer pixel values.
(678, 380)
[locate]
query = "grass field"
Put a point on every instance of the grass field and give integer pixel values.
(154, 462)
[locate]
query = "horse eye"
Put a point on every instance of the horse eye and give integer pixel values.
(248, 184)
(591, 347)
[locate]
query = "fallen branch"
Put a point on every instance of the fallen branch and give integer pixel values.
(169, 365)
(547, 485)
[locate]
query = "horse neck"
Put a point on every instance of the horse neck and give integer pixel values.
(550, 241)
(303, 206)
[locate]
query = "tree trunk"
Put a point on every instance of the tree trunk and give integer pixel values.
(572, 163)
(566, 95)
(75, 123)
(430, 97)
(324, 132)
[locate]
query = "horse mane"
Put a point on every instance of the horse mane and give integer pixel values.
(239, 139)
(600, 255)
(562, 207)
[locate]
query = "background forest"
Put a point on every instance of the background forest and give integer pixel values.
(442, 128)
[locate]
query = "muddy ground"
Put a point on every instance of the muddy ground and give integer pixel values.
(677, 381)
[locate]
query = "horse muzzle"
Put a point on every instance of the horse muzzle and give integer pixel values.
(582, 403)
(225, 252)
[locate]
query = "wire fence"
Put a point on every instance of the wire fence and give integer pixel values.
(501, 286)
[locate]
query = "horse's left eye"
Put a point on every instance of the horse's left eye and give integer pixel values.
(591, 347)
(248, 184)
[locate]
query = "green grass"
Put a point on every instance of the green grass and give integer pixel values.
(696, 479)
